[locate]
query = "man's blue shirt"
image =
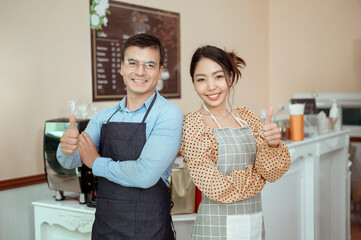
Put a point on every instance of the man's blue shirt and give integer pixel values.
(163, 133)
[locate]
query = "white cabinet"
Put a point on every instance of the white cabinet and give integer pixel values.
(64, 220)
(60, 220)
(311, 201)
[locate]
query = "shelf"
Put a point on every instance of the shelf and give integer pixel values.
(184, 217)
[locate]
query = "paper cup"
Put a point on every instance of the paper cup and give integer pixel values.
(296, 127)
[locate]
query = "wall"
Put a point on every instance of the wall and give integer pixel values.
(17, 212)
(45, 61)
(313, 46)
(289, 46)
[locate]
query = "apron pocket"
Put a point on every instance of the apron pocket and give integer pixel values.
(115, 218)
(244, 227)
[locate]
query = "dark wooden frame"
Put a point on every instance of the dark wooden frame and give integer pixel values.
(160, 23)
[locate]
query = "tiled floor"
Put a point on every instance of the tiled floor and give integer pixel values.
(355, 232)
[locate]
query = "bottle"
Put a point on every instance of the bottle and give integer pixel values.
(334, 117)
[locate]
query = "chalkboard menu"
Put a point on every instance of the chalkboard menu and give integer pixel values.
(121, 21)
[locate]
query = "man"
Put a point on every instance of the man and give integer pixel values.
(131, 147)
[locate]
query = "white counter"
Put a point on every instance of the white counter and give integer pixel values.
(70, 220)
(310, 202)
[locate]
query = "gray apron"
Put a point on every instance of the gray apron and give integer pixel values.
(242, 220)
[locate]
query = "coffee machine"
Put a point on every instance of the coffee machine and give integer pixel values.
(79, 180)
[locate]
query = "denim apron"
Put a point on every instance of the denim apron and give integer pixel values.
(129, 212)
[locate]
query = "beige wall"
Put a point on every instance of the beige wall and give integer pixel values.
(45, 61)
(289, 46)
(314, 46)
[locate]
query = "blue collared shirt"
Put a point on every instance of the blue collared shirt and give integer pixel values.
(163, 133)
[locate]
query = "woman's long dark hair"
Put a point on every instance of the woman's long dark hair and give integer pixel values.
(229, 61)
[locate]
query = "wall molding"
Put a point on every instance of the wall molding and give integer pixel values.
(355, 139)
(22, 182)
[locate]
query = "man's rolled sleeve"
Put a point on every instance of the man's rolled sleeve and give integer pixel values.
(99, 166)
(68, 161)
(158, 154)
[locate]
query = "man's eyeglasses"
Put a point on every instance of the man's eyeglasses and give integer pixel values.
(149, 66)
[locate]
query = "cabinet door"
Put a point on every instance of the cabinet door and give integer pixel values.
(331, 200)
(284, 202)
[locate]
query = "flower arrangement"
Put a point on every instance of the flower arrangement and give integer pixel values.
(98, 11)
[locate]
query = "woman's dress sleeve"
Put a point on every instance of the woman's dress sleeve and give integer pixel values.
(199, 149)
(271, 163)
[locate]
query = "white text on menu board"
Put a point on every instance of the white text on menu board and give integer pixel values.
(107, 55)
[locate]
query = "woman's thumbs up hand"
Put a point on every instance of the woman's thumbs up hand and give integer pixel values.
(271, 131)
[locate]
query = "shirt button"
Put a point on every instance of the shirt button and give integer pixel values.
(130, 114)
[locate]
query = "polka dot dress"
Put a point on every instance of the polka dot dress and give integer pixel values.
(229, 166)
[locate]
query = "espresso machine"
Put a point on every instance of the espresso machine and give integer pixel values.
(78, 180)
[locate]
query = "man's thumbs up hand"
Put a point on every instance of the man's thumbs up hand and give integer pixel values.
(72, 122)
(70, 139)
(271, 131)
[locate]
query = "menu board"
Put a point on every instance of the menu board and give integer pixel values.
(122, 21)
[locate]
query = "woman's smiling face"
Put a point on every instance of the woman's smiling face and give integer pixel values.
(210, 82)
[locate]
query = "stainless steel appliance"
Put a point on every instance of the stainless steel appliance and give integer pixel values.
(79, 180)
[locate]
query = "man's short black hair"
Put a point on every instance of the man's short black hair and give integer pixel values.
(143, 41)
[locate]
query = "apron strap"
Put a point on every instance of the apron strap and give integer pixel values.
(146, 114)
(241, 122)
(150, 107)
(204, 106)
(112, 115)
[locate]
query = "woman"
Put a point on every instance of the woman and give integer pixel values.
(228, 153)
